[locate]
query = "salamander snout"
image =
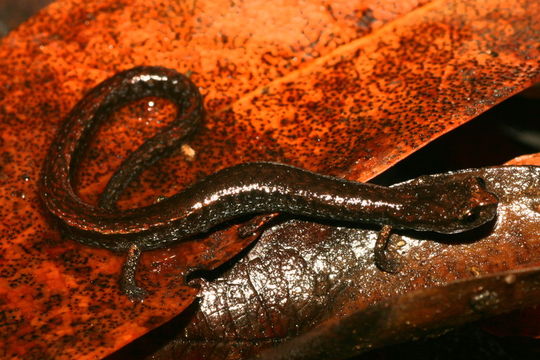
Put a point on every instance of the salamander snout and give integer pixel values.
(481, 206)
(451, 205)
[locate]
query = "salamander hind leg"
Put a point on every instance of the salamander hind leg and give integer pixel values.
(384, 259)
(127, 281)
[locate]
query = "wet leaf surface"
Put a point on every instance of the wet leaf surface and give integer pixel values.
(333, 91)
(410, 316)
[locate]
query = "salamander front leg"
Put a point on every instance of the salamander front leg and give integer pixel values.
(128, 282)
(384, 260)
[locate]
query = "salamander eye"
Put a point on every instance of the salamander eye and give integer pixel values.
(471, 216)
(481, 182)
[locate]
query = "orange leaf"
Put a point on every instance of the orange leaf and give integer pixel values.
(339, 88)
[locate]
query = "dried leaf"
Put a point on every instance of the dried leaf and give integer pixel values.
(326, 87)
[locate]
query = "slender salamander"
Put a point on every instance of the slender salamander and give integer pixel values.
(249, 188)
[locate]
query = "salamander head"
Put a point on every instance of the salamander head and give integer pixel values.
(451, 206)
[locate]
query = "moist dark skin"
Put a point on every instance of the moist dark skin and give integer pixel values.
(444, 206)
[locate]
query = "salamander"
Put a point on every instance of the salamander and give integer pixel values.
(250, 188)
